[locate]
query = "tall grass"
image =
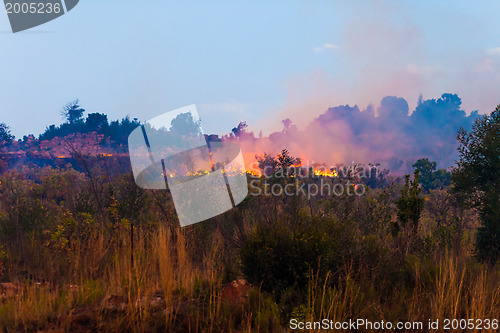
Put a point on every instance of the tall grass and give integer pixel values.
(109, 283)
(456, 287)
(173, 287)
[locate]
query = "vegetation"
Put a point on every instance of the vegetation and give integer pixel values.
(5, 135)
(72, 112)
(118, 130)
(410, 204)
(477, 180)
(430, 178)
(91, 251)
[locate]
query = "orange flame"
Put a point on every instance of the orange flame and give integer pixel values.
(322, 171)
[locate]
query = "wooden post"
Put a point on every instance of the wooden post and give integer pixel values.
(132, 245)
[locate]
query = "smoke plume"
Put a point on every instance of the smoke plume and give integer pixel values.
(389, 135)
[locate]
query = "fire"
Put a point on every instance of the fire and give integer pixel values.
(319, 170)
(254, 173)
(324, 172)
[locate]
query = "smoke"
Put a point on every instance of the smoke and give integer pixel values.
(389, 135)
(384, 50)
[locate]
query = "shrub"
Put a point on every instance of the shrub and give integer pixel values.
(278, 257)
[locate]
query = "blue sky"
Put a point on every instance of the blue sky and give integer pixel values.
(259, 61)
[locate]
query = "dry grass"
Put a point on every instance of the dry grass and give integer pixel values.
(172, 287)
(459, 288)
(109, 286)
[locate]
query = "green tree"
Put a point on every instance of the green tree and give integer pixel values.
(5, 133)
(96, 121)
(430, 178)
(476, 180)
(426, 169)
(72, 112)
(410, 204)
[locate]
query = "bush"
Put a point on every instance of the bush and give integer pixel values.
(280, 257)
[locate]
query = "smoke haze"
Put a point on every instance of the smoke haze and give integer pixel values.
(390, 135)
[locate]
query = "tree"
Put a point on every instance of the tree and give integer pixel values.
(430, 178)
(5, 133)
(410, 204)
(240, 129)
(282, 164)
(285, 160)
(426, 169)
(72, 112)
(476, 180)
(97, 121)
